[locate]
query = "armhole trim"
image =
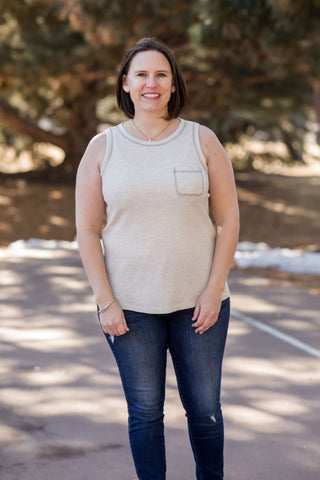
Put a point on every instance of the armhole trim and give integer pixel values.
(108, 151)
(196, 140)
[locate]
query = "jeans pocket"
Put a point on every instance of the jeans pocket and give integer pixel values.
(188, 181)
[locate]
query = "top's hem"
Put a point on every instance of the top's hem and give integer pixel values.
(176, 308)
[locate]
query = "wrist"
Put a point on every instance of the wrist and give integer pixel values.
(216, 287)
(103, 297)
(102, 307)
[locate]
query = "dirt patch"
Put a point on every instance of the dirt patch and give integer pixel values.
(280, 210)
(35, 210)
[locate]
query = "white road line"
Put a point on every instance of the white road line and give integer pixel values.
(276, 333)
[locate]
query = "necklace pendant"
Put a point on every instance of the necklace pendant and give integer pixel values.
(145, 136)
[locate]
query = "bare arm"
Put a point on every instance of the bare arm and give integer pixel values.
(223, 200)
(89, 219)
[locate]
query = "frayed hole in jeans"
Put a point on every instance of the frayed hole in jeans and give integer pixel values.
(213, 418)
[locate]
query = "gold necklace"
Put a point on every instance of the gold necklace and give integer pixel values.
(150, 139)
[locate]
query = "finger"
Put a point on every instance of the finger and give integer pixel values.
(201, 328)
(124, 324)
(121, 328)
(196, 312)
(200, 320)
(114, 330)
(208, 323)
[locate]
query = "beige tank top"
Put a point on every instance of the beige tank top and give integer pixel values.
(159, 239)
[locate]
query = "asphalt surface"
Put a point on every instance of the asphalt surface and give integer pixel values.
(62, 412)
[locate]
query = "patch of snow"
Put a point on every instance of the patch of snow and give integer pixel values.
(248, 255)
(287, 260)
(40, 244)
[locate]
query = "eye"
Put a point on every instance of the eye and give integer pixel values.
(161, 74)
(141, 74)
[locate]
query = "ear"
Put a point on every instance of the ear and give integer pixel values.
(124, 84)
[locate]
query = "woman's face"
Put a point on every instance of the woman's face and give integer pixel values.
(149, 82)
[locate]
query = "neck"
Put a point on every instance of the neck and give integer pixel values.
(150, 122)
(151, 128)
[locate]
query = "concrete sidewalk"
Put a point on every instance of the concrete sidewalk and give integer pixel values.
(62, 410)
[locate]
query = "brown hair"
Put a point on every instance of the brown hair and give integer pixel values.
(178, 97)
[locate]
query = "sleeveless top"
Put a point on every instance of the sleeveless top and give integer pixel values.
(159, 239)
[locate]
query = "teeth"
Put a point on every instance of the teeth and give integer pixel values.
(151, 95)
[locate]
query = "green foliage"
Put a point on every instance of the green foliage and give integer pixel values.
(261, 62)
(252, 66)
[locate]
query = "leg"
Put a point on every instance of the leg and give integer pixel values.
(197, 360)
(141, 356)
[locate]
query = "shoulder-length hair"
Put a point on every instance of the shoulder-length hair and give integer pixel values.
(178, 97)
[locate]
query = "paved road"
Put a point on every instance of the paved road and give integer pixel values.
(62, 413)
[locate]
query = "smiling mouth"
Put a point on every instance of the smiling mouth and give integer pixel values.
(151, 95)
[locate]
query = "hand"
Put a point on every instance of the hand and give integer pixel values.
(113, 321)
(206, 311)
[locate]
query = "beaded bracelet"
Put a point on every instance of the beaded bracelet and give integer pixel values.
(104, 308)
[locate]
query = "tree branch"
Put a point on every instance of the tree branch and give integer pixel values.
(22, 125)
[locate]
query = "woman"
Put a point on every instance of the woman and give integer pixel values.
(160, 281)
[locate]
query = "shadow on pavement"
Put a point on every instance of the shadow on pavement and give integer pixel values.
(62, 409)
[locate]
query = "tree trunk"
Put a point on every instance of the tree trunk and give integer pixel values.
(81, 127)
(316, 104)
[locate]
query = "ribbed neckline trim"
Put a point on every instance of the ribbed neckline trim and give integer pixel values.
(154, 143)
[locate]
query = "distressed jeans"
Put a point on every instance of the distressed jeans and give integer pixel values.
(141, 356)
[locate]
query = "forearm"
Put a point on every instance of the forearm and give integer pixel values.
(94, 265)
(208, 304)
(225, 247)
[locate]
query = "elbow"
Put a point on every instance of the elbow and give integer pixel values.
(236, 223)
(231, 219)
(234, 220)
(83, 234)
(230, 226)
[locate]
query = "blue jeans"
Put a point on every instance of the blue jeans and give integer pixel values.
(141, 355)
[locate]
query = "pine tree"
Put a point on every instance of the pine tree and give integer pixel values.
(251, 66)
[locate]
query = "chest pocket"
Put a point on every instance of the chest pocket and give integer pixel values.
(188, 182)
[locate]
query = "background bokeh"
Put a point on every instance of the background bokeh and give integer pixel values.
(252, 70)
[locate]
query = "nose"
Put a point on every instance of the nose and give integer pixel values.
(151, 81)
